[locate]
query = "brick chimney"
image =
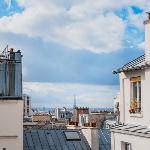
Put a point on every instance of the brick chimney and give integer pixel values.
(147, 38)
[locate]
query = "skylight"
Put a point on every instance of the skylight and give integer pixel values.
(72, 135)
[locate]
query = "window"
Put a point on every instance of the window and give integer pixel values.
(72, 136)
(135, 104)
(126, 146)
(27, 110)
(27, 102)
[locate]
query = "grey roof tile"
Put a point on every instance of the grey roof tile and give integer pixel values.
(136, 130)
(52, 140)
(62, 140)
(105, 139)
(36, 141)
(70, 145)
(136, 64)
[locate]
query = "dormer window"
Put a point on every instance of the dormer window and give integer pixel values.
(135, 102)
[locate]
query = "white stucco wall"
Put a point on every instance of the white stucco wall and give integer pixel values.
(147, 41)
(11, 124)
(125, 116)
(137, 142)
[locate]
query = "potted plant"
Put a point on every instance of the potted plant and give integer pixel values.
(133, 106)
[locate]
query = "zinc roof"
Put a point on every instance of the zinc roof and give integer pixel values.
(36, 139)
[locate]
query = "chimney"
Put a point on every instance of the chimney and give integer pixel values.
(147, 38)
(73, 125)
(90, 132)
(92, 136)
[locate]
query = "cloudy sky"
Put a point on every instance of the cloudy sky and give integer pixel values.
(71, 46)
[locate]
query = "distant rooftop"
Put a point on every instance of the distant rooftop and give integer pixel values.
(136, 64)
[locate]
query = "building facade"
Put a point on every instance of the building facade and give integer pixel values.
(11, 103)
(134, 131)
(79, 111)
(27, 106)
(63, 114)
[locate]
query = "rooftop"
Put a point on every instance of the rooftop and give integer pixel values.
(36, 139)
(136, 64)
(136, 130)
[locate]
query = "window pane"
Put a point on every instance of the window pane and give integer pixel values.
(27, 101)
(139, 100)
(127, 146)
(134, 90)
(139, 90)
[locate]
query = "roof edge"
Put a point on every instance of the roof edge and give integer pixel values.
(132, 65)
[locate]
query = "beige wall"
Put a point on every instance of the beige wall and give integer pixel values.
(11, 124)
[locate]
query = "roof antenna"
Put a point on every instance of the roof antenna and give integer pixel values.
(5, 51)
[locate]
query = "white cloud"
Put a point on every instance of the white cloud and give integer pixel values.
(75, 24)
(83, 26)
(136, 19)
(99, 34)
(61, 94)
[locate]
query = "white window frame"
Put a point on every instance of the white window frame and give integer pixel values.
(138, 99)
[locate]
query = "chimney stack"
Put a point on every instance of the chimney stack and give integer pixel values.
(92, 136)
(147, 38)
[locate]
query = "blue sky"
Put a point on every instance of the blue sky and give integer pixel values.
(71, 47)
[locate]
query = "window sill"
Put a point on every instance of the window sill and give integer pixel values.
(137, 115)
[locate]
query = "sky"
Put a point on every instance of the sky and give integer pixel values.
(70, 47)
